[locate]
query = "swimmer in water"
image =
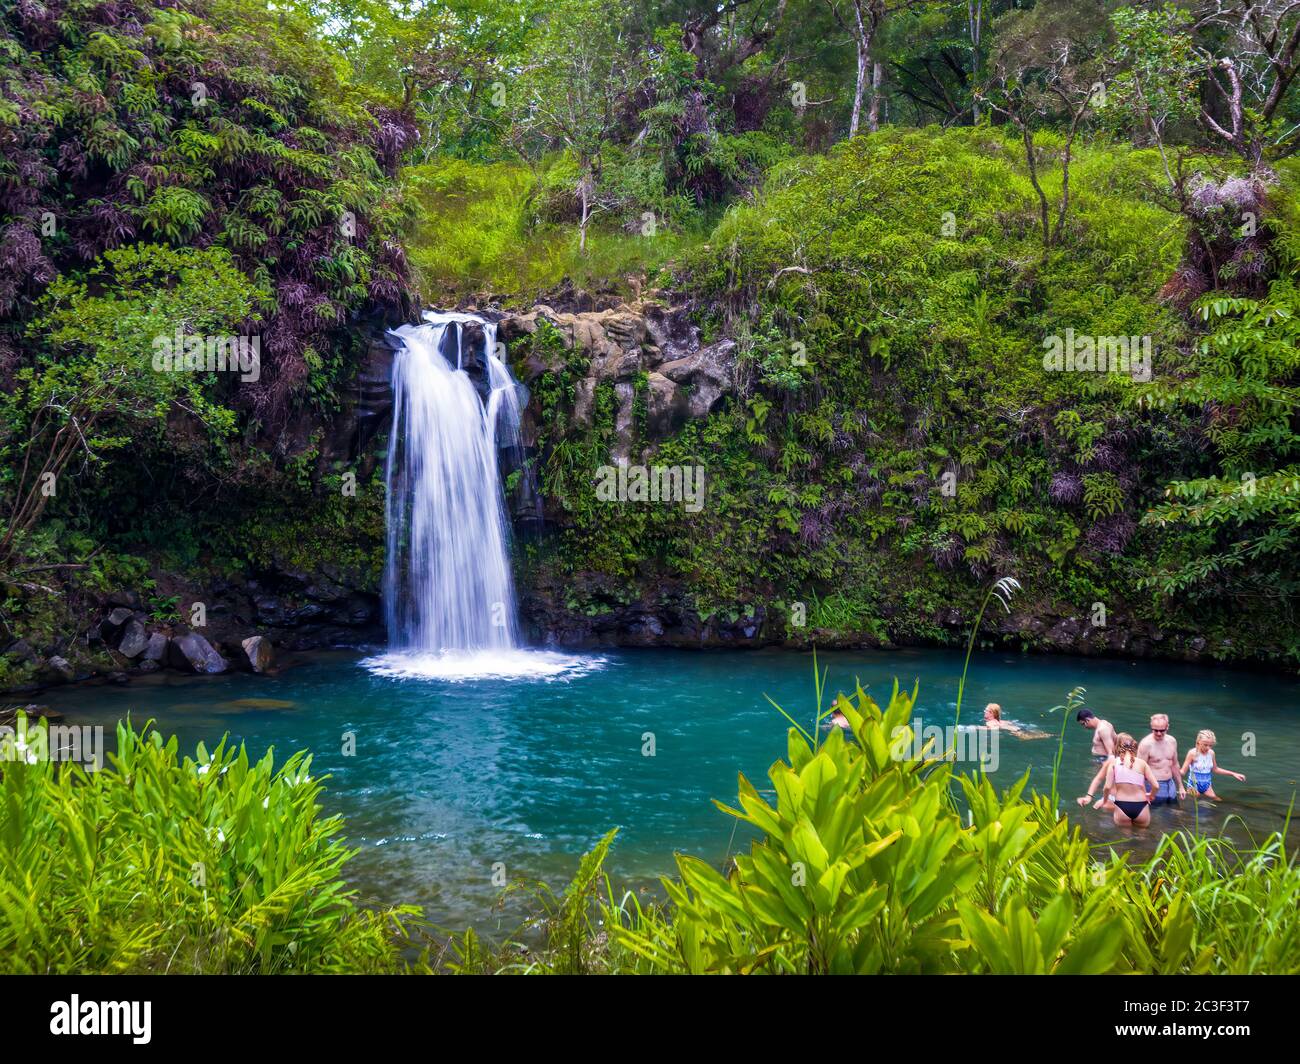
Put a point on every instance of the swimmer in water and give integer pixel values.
(993, 719)
(839, 720)
(1199, 766)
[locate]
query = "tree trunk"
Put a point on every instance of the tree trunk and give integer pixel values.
(873, 115)
(974, 20)
(584, 191)
(1032, 160)
(858, 91)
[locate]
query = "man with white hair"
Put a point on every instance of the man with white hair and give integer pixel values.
(1160, 751)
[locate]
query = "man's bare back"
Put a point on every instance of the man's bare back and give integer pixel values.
(1103, 739)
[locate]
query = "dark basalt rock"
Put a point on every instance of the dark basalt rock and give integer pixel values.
(58, 669)
(190, 652)
(622, 344)
(257, 653)
(9, 714)
(134, 639)
(22, 651)
(111, 627)
(472, 353)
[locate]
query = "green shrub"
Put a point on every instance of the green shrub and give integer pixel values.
(162, 863)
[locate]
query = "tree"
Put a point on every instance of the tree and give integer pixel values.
(437, 63)
(863, 20)
(1156, 71)
(1048, 68)
(98, 389)
(938, 53)
(579, 73)
(1229, 66)
(1249, 80)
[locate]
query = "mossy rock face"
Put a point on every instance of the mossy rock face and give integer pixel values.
(634, 373)
(888, 431)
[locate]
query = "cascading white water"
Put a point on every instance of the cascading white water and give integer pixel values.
(447, 583)
(448, 593)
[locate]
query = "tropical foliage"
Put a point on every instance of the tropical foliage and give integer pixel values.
(159, 862)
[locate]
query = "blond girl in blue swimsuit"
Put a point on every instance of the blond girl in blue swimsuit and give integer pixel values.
(1199, 766)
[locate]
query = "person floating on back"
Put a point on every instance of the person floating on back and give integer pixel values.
(1103, 734)
(993, 719)
(1201, 762)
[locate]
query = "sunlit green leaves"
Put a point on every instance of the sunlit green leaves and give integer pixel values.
(165, 863)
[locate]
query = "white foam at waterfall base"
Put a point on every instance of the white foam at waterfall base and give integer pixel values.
(448, 593)
(461, 665)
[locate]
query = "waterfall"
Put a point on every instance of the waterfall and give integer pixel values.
(447, 582)
(448, 593)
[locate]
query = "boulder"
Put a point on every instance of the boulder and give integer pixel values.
(21, 651)
(670, 330)
(155, 649)
(9, 714)
(59, 669)
(471, 349)
(111, 626)
(134, 639)
(270, 610)
(258, 653)
(584, 399)
(190, 652)
(308, 611)
(706, 375)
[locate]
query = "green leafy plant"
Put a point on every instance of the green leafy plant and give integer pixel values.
(163, 863)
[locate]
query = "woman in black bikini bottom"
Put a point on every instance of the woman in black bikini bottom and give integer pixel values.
(1127, 777)
(1133, 810)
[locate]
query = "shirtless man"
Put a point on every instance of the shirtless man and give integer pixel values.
(1160, 751)
(1103, 734)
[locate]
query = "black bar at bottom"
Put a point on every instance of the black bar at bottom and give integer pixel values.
(340, 1012)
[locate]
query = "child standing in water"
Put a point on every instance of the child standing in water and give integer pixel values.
(1200, 760)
